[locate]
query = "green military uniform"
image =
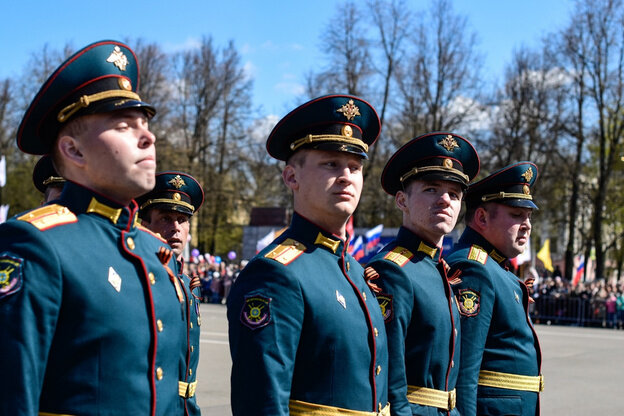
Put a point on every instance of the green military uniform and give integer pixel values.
(501, 357)
(180, 192)
(421, 315)
(89, 318)
(306, 333)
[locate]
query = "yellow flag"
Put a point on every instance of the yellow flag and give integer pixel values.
(544, 255)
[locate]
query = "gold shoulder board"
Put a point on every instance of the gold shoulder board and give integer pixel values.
(476, 253)
(49, 216)
(399, 255)
(286, 252)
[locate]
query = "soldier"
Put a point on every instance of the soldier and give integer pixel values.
(500, 353)
(47, 180)
(306, 333)
(427, 177)
(90, 322)
(167, 210)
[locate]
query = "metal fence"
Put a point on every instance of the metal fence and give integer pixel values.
(565, 310)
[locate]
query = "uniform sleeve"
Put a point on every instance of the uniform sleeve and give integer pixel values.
(475, 297)
(397, 294)
(265, 316)
(30, 297)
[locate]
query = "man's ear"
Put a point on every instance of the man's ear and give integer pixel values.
(69, 148)
(289, 176)
(481, 218)
(401, 200)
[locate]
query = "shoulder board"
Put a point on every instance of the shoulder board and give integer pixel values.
(286, 251)
(147, 230)
(476, 253)
(399, 255)
(49, 216)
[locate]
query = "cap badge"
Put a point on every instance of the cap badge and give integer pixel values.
(125, 84)
(349, 110)
(176, 197)
(526, 189)
(449, 143)
(528, 175)
(448, 163)
(347, 131)
(177, 182)
(118, 58)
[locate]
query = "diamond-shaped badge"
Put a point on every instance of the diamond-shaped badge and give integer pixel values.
(114, 279)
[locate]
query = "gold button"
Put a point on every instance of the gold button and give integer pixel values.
(378, 369)
(191, 324)
(191, 300)
(348, 266)
(190, 371)
(376, 332)
(364, 295)
(152, 278)
(130, 242)
(159, 373)
(159, 324)
(192, 348)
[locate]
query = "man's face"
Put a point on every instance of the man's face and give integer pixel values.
(327, 186)
(430, 208)
(173, 226)
(118, 154)
(508, 228)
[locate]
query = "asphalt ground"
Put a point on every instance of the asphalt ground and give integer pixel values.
(583, 368)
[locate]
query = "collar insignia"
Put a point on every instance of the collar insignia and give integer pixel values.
(177, 181)
(118, 58)
(528, 175)
(449, 143)
(327, 242)
(349, 110)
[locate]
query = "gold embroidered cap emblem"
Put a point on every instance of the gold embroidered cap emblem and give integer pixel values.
(526, 189)
(449, 143)
(448, 163)
(176, 197)
(349, 110)
(528, 175)
(125, 84)
(347, 131)
(118, 58)
(177, 181)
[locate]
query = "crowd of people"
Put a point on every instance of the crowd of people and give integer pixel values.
(216, 278)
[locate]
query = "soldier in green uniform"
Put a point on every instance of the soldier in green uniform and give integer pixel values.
(306, 333)
(167, 210)
(90, 319)
(427, 177)
(500, 352)
(47, 180)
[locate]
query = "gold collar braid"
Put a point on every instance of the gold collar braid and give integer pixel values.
(86, 100)
(311, 138)
(415, 171)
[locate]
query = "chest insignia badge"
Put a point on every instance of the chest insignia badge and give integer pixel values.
(341, 299)
(114, 279)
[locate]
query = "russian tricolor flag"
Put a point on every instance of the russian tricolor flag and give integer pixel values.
(373, 236)
(579, 272)
(357, 248)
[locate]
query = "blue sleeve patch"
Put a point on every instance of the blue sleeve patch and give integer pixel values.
(385, 303)
(256, 312)
(10, 274)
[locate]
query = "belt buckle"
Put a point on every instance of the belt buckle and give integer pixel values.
(452, 399)
(541, 383)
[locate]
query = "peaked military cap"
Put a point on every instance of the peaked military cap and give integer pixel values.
(44, 174)
(174, 191)
(510, 185)
(101, 77)
(342, 123)
(432, 156)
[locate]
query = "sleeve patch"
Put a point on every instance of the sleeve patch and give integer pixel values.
(49, 216)
(399, 255)
(10, 275)
(469, 302)
(385, 303)
(256, 312)
(286, 252)
(476, 253)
